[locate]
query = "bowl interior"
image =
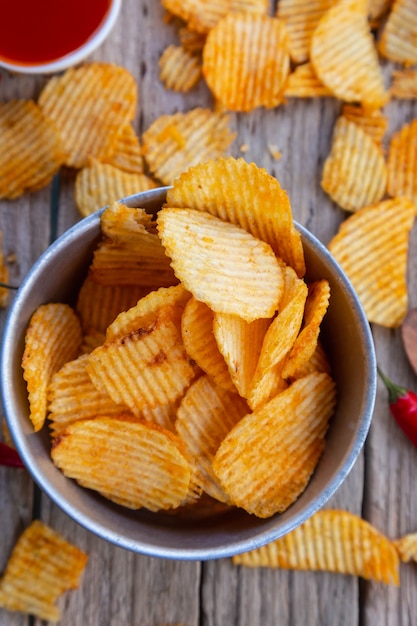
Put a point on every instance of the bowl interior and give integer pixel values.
(347, 339)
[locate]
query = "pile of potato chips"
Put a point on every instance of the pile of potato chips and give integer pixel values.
(191, 363)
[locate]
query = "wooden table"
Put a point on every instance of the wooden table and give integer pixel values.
(121, 588)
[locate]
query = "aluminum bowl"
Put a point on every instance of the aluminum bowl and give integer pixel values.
(57, 276)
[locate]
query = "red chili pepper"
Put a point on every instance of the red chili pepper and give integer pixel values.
(9, 456)
(403, 406)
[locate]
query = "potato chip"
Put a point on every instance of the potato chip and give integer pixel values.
(205, 416)
(398, 39)
(92, 340)
(4, 276)
(402, 162)
(155, 353)
(191, 41)
(354, 173)
(173, 143)
(200, 343)
(31, 150)
(301, 18)
(377, 10)
(372, 247)
(406, 547)
(344, 56)
(42, 566)
(404, 84)
(163, 415)
(332, 541)
(202, 16)
(244, 194)
(318, 362)
(91, 106)
(179, 69)
(72, 396)
(133, 463)
(221, 264)
(266, 460)
(127, 154)
(246, 61)
(101, 183)
(52, 338)
(374, 123)
(129, 254)
(304, 83)
(265, 385)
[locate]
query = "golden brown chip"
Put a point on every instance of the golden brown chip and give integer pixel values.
(91, 106)
(344, 56)
(134, 463)
(148, 367)
(377, 10)
(92, 340)
(354, 173)
(406, 547)
(304, 83)
(52, 338)
(404, 84)
(318, 362)
(99, 184)
(205, 416)
(127, 154)
(221, 264)
(31, 150)
(374, 122)
(372, 247)
(402, 163)
(202, 16)
(265, 385)
(4, 275)
(333, 541)
(179, 69)
(246, 61)
(398, 39)
(42, 566)
(173, 143)
(191, 41)
(266, 460)
(301, 18)
(244, 194)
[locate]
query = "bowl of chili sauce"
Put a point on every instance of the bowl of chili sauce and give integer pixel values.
(53, 35)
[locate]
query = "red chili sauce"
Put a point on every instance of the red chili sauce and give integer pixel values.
(41, 31)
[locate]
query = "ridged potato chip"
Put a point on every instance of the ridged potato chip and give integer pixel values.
(404, 84)
(173, 143)
(90, 106)
(127, 153)
(332, 541)
(402, 163)
(202, 16)
(191, 41)
(205, 416)
(318, 362)
(246, 61)
(42, 566)
(374, 123)
(257, 464)
(355, 172)
(179, 69)
(344, 56)
(131, 462)
(406, 547)
(99, 184)
(398, 40)
(31, 149)
(372, 248)
(377, 10)
(265, 385)
(221, 264)
(52, 338)
(303, 82)
(244, 194)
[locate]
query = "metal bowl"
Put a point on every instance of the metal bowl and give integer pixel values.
(57, 276)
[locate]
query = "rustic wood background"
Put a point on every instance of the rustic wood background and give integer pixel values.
(121, 588)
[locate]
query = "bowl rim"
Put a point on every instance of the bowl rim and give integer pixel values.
(21, 442)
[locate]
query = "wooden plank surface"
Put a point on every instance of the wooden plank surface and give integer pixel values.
(121, 588)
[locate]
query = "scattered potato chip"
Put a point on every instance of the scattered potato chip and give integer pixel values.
(200, 343)
(304, 83)
(127, 154)
(344, 56)
(155, 352)
(205, 416)
(404, 84)
(202, 16)
(402, 163)
(377, 10)
(244, 194)
(4, 275)
(31, 150)
(354, 173)
(179, 69)
(333, 541)
(98, 184)
(256, 463)
(52, 338)
(374, 122)
(246, 61)
(301, 18)
(372, 247)
(191, 41)
(173, 143)
(42, 566)
(133, 463)
(91, 106)
(221, 264)
(398, 40)
(406, 547)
